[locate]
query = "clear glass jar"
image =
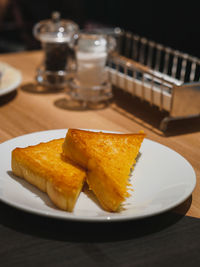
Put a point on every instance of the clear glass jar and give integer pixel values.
(56, 36)
(91, 84)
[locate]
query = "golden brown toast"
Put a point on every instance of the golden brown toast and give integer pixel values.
(108, 159)
(44, 166)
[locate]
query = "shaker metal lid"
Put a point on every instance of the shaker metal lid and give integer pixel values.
(55, 30)
(92, 43)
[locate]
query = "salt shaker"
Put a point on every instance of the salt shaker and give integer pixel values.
(56, 36)
(91, 84)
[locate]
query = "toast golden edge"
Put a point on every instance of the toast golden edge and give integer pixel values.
(71, 151)
(62, 201)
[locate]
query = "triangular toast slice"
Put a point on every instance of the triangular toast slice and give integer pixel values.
(108, 158)
(44, 166)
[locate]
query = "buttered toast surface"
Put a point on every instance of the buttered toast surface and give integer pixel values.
(44, 166)
(108, 159)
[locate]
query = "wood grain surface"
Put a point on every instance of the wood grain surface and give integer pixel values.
(23, 111)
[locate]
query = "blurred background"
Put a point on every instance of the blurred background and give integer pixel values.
(175, 25)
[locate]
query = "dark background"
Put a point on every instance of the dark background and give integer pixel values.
(175, 24)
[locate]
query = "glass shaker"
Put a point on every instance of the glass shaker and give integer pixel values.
(56, 36)
(90, 84)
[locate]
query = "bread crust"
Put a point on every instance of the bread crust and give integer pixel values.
(61, 179)
(108, 158)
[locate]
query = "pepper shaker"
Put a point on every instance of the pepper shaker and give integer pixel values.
(56, 37)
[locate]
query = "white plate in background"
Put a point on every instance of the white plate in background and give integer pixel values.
(10, 78)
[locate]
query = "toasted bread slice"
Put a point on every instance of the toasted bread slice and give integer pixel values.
(108, 159)
(43, 166)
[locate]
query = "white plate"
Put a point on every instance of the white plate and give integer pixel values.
(10, 78)
(162, 179)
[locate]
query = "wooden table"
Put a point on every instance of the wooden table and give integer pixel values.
(23, 112)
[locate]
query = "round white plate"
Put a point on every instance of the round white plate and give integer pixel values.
(162, 179)
(10, 78)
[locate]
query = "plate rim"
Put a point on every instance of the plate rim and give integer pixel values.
(15, 84)
(71, 216)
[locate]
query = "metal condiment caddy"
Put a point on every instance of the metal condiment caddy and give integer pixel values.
(164, 77)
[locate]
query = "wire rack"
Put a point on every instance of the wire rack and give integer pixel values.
(162, 76)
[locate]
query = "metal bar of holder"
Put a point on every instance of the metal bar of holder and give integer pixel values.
(166, 78)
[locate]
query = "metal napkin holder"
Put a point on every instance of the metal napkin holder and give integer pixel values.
(162, 76)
